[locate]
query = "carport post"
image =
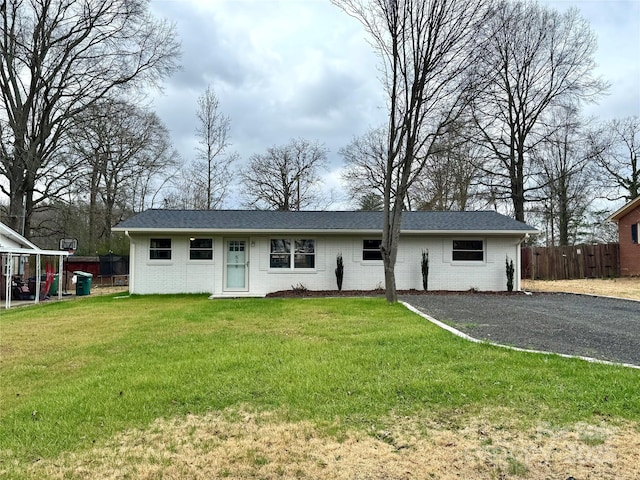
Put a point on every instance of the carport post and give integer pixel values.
(60, 266)
(9, 279)
(38, 270)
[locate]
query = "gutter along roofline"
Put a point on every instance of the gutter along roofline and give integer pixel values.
(317, 231)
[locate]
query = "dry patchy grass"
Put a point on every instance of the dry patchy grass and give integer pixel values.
(240, 445)
(624, 287)
(99, 290)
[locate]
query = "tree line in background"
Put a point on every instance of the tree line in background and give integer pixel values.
(484, 101)
(73, 145)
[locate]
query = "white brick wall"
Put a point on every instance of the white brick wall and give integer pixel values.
(178, 275)
(181, 275)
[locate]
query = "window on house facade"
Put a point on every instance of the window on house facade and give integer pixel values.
(468, 250)
(201, 249)
(634, 233)
(160, 249)
(371, 250)
(292, 253)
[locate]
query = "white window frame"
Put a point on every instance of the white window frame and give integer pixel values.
(292, 253)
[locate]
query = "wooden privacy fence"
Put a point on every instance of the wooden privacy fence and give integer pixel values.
(563, 263)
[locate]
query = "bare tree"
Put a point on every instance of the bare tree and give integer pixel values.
(365, 164)
(205, 183)
(123, 153)
(449, 179)
(285, 177)
(446, 181)
(615, 147)
(564, 176)
(427, 49)
(58, 57)
(371, 202)
(212, 170)
(535, 59)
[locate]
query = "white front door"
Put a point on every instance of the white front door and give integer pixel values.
(237, 264)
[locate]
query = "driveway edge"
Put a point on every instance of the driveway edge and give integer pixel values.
(463, 335)
(584, 294)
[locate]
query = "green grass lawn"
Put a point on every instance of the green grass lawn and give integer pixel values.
(74, 373)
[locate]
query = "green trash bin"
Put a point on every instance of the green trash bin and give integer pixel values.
(53, 289)
(83, 283)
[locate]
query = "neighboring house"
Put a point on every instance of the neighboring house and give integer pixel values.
(252, 253)
(14, 252)
(628, 220)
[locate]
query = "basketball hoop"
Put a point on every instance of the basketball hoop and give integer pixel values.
(69, 244)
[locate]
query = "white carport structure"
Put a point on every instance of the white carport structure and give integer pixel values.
(14, 246)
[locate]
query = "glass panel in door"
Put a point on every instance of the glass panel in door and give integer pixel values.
(236, 264)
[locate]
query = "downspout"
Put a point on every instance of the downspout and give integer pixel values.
(132, 261)
(518, 272)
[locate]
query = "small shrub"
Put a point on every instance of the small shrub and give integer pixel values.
(299, 288)
(339, 271)
(510, 273)
(425, 269)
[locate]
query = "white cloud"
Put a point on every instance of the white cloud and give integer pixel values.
(616, 24)
(303, 68)
(281, 69)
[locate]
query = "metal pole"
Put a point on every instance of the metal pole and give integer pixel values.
(60, 265)
(9, 279)
(38, 274)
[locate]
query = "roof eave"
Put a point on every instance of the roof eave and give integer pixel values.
(33, 251)
(472, 232)
(621, 212)
(10, 233)
(320, 231)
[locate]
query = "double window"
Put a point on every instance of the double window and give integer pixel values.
(201, 249)
(371, 250)
(292, 253)
(468, 250)
(160, 249)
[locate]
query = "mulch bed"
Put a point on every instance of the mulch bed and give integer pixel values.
(304, 293)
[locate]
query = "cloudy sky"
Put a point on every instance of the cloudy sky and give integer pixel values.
(303, 68)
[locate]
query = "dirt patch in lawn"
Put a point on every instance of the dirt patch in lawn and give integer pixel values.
(623, 287)
(240, 445)
(108, 290)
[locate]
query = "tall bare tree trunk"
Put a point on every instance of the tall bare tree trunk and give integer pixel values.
(426, 47)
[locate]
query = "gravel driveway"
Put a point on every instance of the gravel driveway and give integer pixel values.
(603, 328)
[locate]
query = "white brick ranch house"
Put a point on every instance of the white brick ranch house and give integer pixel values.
(252, 253)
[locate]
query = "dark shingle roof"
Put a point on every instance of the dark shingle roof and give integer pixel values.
(270, 221)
